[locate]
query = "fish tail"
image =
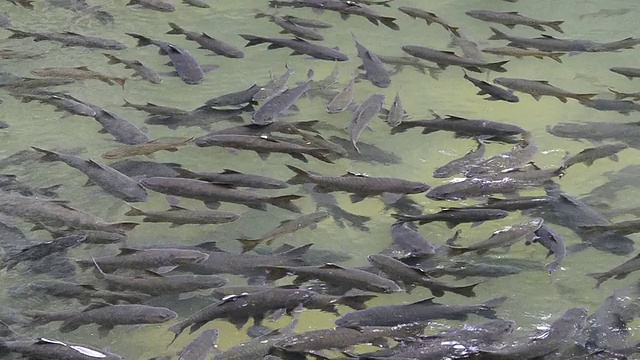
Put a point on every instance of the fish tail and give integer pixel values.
(584, 97)
(356, 302)
(320, 155)
(284, 202)
(498, 35)
(497, 66)
(454, 30)
(175, 29)
(555, 25)
(177, 329)
(488, 308)
(389, 22)
(466, 291)
(301, 177)
(120, 81)
(142, 40)
(112, 59)
(48, 155)
(249, 244)
(123, 226)
(18, 34)
(253, 40)
(37, 317)
(134, 212)
(619, 95)
(306, 125)
(600, 278)
(556, 56)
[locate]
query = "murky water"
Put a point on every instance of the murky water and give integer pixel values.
(533, 299)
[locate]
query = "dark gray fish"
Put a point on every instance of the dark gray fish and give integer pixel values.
(538, 88)
(310, 23)
(447, 58)
(178, 215)
(185, 64)
(502, 238)
(10, 184)
(418, 312)
(544, 43)
(121, 129)
(339, 276)
(599, 131)
(3, 125)
(139, 68)
(45, 348)
(343, 99)
(145, 168)
(298, 46)
(362, 117)
(368, 152)
(285, 227)
(109, 179)
(207, 42)
(459, 165)
(455, 216)
(212, 194)
(5, 21)
(553, 242)
(619, 272)
(495, 92)
(143, 259)
(291, 27)
(360, 185)
(202, 117)
(429, 17)
(275, 106)
(84, 293)
(513, 18)
(69, 39)
(92, 236)
(275, 86)
(589, 155)
(622, 228)
(467, 44)
(411, 276)
(22, 83)
(157, 5)
(235, 178)
(477, 187)
(401, 61)
(516, 158)
(561, 331)
(154, 109)
(630, 73)
(259, 347)
(520, 53)
(107, 316)
(235, 98)
(462, 269)
(462, 127)
(202, 347)
(39, 251)
(515, 204)
(624, 107)
(410, 241)
(373, 67)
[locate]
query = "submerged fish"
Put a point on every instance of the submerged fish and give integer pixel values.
(494, 92)
(519, 53)
(538, 88)
(447, 58)
(70, 39)
(78, 73)
(145, 149)
(140, 69)
(589, 155)
(510, 19)
(178, 215)
(429, 17)
(158, 5)
(373, 67)
(207, 42)
(362, 117)
(298, 46)
(502, 238)
(272, 108)
(285, 227)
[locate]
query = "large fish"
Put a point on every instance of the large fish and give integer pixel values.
(178, 215)
(538, 88)
(429, 17)
(502, 238)
(140, 69)
(446, 58)
(143, 259)
(272, 108)
(298, 46)
(285, 227)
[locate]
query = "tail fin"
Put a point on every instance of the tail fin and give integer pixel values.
(497, 66)
(453, 30)
(249, 244)
(320, 155)
(142, 40)
(498, 35)
(600, 278)
(301, 177)
(306, 125)
(556, 56)
(112, 59)
(555, 25)
(297, 252)
(134, 212)
(276, 272)
(466, 291)
(488, 308)
(403, 218)
(177, 329)
(389, 22)
(253, 40)
(120, 81)
(284, 202)
(175, 29)
(18, 34)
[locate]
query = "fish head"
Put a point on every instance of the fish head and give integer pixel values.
(161, 315)
(190, 256)
(501, 81)
(418, 188)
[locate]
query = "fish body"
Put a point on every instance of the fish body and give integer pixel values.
(44, 348)
(494, 92)
(154, 109)
(272, 108)
(144, 149)
(429, 17)
(207, 42)
(293, 28)
(78, 73)
(539, 88)
(362, 117)
(285, 227)
(589, 155)
(510, 19)
(235, 98)
(177, 216)
(553, 242)
(545, 42)
(39, 251)
(129, 258)
(503, 238)
(455, 216)
(619, 272)
(462, 127)
(343, 99)
(630, 73)
(139, 68)
(461, 269)
(69, 39)
(157, 5)
(373, 67)
(121, 129)
(519, 53)
(411, 241)
(298, 46)
(517, 157)
(624, 107)
(459, 165)
(236, 178)
(447, 58)
(396, 112)
(62, 102)
(204, 345)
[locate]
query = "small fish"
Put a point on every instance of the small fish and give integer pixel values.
(553, 242)
(205, 344)
(142, 259)
(310, 23)
(274, 86)
(396, 112)
(285, 227)
(373, 67)
(447, 58)
(343, 99)
(589, 155)
(622, 95)
(400, 61)
(197, 3)
(459, 165)
(606, 13)
(363, 115)
(511, 19)
(624, 107)
(140, 69)
(154, 109)
(39, 251)
(207, 42)
(178, 215)
(495, 92)
(429, 17)
(503, 238)
(520, 53)
(235, 178)
(158, 5)
(63, 102)
(539, 88)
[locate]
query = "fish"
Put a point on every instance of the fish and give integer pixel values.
(55, 349)
(204, 345)
(336, 275)
(373, 67)
(63, 102)
(417, 312)
(235, 98)
(27, 4)
(462, 269)
(589, 155)
(310, 23)
(598, 131)
(154, 109)
(55, 214)
(513, 18)
(396, 112)
(429, 17)
(368, 152)
(299, 47)
(629, 73)
(92, 236)
(358, 184)
(362, 117)
(212, 194)
(400, 61)
(538, 88)
(235, 178)
(517, 157)
(207, 42)
(495, 92)
(143, 168)
(624, 107)
(343, 99)
(202, 117)
(503, 238)
(146, 149)
(78, 73)
(447, 58)
(561, 331)
(109, 179)
(185, 64)
(275, 86)
(410, 276)
(606, 13)
(129, 258)
(459, 165)
(121, 129)
(468, 45)
(520, 53)
(292, 28)
(410, 241)
(68, 38)
(544, 43)
(259, 347)
(285, 227)
(107, 316)
(157, 5)
(39, 251)
(340, 216)
(515, 204)
(622, 228)
(272, 108)
(139, 68)
(619, 272)
(552, 241)
(462, 127)
(35, 83)
(84, 293)
(178, 215)
(344, 8)
(455, 216)
(10, 184)
(197, 3)
(155, 284)
(263, 146)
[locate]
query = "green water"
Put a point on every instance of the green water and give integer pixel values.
(533, 299)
